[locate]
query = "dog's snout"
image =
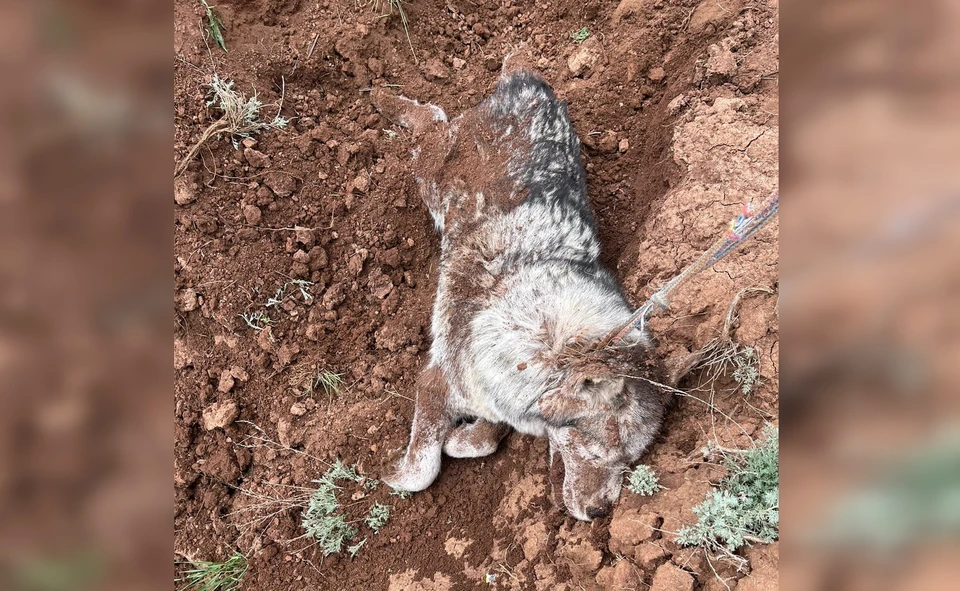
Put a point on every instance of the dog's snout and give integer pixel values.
(598, 512)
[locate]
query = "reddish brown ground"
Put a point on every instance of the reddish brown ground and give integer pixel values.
(665, 174)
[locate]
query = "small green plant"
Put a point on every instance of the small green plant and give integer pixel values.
(282, 293)
(340, 471)
(240, 118)
(256, 320)
(400, 492)
(745, 368)
(215, 24)
(329, 381)
(241, 114)
(323, 520)
(722, 356)
(745, 507)
(352, 550)
(308, 381)
(322, 523)
(377, 517)
(216, 576)
(643, 481)
(581, 35)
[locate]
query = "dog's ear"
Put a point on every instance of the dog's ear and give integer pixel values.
(600, 390)
(679, 366)
(582, 394)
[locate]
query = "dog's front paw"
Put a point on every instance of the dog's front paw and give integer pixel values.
(413, 475)
(474, 440)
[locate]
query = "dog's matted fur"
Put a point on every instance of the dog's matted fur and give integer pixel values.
(522, 302)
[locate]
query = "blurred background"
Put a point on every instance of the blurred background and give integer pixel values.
(86, 439)
(870, 320)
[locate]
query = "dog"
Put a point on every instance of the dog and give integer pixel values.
(523, 305)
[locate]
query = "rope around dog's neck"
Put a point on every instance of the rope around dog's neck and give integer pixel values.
(741, 228)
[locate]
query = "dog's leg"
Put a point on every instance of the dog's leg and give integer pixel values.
(429, 153)
(415, 116)
(475, 440)
(431, 423)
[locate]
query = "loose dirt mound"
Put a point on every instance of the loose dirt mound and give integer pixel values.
(676, 103)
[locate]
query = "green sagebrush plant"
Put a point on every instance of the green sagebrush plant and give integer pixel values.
(323, 520)
(239, 119)
(377, 517)
(745, 507)
(642, 481)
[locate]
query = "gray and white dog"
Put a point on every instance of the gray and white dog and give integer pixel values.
(523, 304)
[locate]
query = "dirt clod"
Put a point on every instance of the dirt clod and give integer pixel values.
(305, 236)
(184, 191)
(648, 554)
(252, 214)
(226, 382)
(435, 71)
(535, 540)
(187, 300)
(583, 556)
(722, 63)
(256, 158)
(584, 58)
(669, 577)
(608, 142)
(764, 575)
(623, 575)
(181, 355)
(206, 223)
(355, 264)
(334, 296)
(220, 415)
(318, 258)
(222, 466)
(287, 353)
(380, 285)
(282, 185)
(288, 434)
(628, 528)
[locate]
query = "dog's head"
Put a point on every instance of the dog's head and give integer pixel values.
(599, 419)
